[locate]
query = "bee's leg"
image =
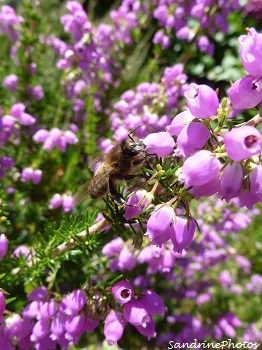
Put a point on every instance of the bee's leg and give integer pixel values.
(113, 191)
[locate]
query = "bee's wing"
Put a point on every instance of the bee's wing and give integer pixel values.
(87, 187)
(94, 164)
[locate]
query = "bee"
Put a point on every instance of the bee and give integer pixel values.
(117, 165)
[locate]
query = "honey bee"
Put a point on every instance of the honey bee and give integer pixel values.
(116, 165)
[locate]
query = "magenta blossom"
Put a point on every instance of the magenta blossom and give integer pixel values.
(231, 180)
(160, 224)
(123, 292)
(184, 230)
(192, 138)
(3, 245)
(250, 52)
(132, 208)
(179, 122)
(160, 143)
(202, 101)
(200, 168)
(246, 93)
(114, 327)
(242, 143)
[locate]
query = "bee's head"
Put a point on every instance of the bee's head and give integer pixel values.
(132, 147)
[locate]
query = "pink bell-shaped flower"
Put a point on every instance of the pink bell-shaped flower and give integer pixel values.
(242, 143)
(123, 292)
(114, 327)
(202, 101)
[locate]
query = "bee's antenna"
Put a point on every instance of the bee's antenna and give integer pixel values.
(129, 135)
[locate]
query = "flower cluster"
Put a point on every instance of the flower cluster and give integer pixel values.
(55, 138)
(46, 322)
(180, 19)
(65, 200)
(194, 281)
(137, 311)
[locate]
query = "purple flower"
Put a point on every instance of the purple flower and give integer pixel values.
(242, 143)
(180, 122)
(207, 189)
(192, 138)
(113, 247)
(41, 329)
(125, 261)
(132, 208)
(36, 92)
(73, 303)
(136, 313)
(250, 52)
(22, 250)
(123, 292)
(200, 168)
(231, 180)
(26, 174)
(57, 325)
(41, 135)
(246, 93)
(55, 201)
(160, 224)
(160, 143)
(67, 203)
(2, 304)
(39, 293)
(48, 309)
(202, 101)
(11, 82)
(3, 245)
(148, 329)
(37, 176)
(225, 279)
(114, 327)
(184, 230)
(74, 327)
(153, 303)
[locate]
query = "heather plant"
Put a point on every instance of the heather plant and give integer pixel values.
(179, 261)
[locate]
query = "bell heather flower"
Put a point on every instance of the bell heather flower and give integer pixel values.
(192, 138)
(199, 169)
(250, 52)
(160, 224)
(153, 303)
(231, 180)
(242, 143)
(11, 82)
(114, 327)
(123, 292)
(55, 201)
(3, 245)
(135, 313)
(73, 303)
(148, 329)
(41, 329)
(2, 304)
(202, 101)
(113, 247)
(74, 327)
(246, 92)
(160, 143)
(184, 230)
(132, 208)
(179, 122)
